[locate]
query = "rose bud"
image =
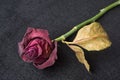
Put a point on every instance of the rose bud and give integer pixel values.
(37, 47)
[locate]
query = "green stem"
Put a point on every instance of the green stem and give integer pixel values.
(94, 18)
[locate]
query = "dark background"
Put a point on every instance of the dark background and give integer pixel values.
(58, 17)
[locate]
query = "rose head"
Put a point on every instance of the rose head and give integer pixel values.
(37, 47)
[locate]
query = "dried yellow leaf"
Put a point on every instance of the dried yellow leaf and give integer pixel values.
(80, 55)
(92, 37)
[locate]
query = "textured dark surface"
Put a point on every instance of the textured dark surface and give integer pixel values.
(57, 16)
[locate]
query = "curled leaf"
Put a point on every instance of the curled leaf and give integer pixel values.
(80, 55)
(92, 37)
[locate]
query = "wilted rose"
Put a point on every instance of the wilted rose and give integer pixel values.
(37, 47)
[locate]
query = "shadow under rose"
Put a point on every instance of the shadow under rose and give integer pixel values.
(61, 65)
(65, 66)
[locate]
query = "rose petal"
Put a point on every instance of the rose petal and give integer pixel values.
(39, 50)
(20, 47)
(40, 33)
(33, 42)
(40, 60)
(50, 61)
(24, 58)
(46, 50)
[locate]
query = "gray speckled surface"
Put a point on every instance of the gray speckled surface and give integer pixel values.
(58, 16)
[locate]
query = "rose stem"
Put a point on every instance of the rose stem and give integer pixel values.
(94, 18)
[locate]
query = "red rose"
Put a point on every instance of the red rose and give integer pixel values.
(37, 47)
